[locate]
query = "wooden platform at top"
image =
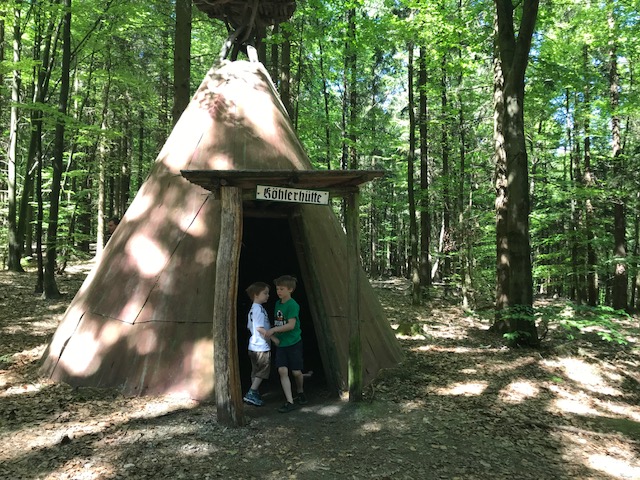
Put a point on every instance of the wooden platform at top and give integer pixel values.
(335, 181)
(237, 12)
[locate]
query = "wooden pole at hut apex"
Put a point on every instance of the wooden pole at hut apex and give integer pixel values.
(353, 265)
(228, 391)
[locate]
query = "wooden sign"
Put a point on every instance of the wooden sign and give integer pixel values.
(291, 195)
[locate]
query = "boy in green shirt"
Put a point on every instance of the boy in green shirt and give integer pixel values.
(289, 353)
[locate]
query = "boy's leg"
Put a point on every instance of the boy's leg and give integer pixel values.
(299, 379)
(260, 368)
(296, 364)
(286, 383)
(256, 383)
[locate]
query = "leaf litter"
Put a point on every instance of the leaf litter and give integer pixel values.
(460, 406)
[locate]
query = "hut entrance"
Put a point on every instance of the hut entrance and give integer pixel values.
(267, 252)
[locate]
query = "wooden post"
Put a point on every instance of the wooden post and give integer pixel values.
(353, 297)
(228, 390)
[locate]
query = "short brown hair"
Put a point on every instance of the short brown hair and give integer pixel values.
(255, 288)
(288, 281)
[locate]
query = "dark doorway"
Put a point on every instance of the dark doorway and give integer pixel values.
(267, 252)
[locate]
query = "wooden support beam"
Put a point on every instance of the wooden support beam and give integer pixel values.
(228, 391)
(353, 297)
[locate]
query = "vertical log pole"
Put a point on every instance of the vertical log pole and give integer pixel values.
(225, 347)
(353, 300)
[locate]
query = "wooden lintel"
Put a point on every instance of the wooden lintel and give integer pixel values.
(335, 181)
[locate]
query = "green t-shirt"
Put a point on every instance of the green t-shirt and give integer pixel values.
(283, 312)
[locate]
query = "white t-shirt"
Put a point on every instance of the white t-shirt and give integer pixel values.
(258, 318)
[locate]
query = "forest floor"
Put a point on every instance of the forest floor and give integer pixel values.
(461, 406)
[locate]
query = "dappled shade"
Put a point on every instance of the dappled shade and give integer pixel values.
(142, 320)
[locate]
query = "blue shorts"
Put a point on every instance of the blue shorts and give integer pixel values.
(290, 357)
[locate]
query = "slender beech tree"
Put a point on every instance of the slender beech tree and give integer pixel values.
(43, 65)
(102, 153)
(445, 144)
(325, 98)
(500, 183)
(588, 182)
(425, 218)
(619, 290)
(181, 59)
(50, 286)
(514, 56)
(285, 70)
(414, 270)
(349, 97)
(12, 155)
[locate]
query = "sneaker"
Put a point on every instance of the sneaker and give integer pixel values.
(301, 399)
(287, 407)
(253, 398)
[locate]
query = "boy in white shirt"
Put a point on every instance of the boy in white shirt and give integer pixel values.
(259, 346)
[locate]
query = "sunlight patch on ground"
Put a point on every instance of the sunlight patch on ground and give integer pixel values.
(29, 326)
(52, 434)
(584, 374)
(570, 402)
(465, 389)
(370, 427)
(618, 460)
(613, 466)
(156, 407)
(329, 410)
(619, 409)
(19, 389)
(518, 392)
(82, 470)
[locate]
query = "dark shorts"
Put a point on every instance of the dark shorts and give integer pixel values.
(260, 364)
(290, 357)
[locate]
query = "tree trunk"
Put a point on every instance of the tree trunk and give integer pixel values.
(14, 247)
(285, 70)
(464, 230)
(164, 125)
(42, 74)
(297, 80)
(446, 175)
(636, 252)
(349, 95)
(50, 286)
(414, 271)
(141, 142)
(500, 182)
(39, 287)
(619, 293)
(514, 56)
(325, 97)
(425, 218)
(275, 64)
(181, 59)
(577, 227)
(102, 167)
(589, 216)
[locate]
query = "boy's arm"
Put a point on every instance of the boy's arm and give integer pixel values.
(265, 334)
(291, 323)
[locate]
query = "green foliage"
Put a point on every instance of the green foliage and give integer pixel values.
(516, 316)
(121, 101)
(579, 319)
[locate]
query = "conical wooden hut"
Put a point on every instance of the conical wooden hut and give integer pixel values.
(142, 320)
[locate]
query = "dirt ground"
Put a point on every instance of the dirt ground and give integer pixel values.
(461, 406)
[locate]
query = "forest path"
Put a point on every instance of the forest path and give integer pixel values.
(461, 406)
